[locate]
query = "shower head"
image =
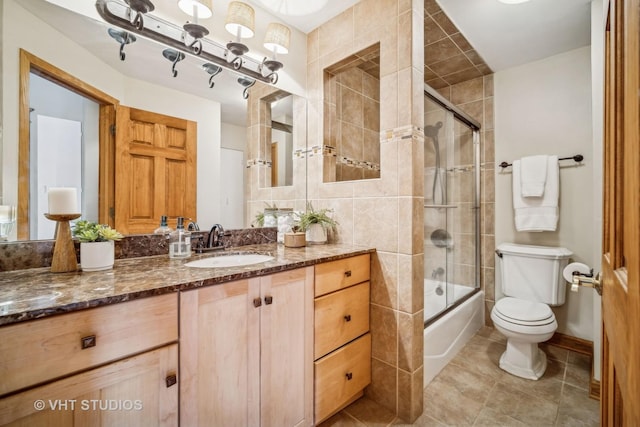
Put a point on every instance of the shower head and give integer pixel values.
(432, 130)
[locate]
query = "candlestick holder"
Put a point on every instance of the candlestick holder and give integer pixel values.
(64, 253)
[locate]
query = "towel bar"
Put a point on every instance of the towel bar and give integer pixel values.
(577, 158)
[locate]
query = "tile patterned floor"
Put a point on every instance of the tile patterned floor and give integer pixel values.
(473, 391)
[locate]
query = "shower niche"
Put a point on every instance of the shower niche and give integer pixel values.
(451, 200)
(352, 117)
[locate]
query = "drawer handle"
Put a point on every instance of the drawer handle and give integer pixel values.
(88, 342)
(268, 300)
(257, 302)
(347, 318)
(171, 380)
(347, 273)
(349, 375)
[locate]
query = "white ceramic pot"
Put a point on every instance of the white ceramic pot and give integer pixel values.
(96, 256)
(316, 234)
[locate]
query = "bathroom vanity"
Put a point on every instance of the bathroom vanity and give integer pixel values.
(154, 342)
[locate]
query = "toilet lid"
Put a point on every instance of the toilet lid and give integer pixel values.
(524, 312)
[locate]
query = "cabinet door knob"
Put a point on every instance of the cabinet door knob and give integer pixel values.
(347, 273)
(347, 318)
(257, 302)
(349, 375)
(268, 300)
(171, 380)
(88, 342)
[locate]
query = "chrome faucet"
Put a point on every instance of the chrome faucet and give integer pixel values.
(192, 226)
(437, 272)
(215, 236)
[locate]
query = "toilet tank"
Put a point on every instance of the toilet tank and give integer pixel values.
(533, 273)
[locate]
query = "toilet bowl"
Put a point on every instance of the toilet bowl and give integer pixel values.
(524, 324)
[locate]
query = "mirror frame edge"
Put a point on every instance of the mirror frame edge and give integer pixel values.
(30, 63)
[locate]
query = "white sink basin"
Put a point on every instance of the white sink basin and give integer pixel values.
(222, 261)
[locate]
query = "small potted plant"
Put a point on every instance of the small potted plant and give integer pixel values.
(316, 223)
(96, 245)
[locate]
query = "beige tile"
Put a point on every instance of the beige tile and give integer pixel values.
(578, 371)
(404, 5)
(384, 385)
(312, 46)
(384, 279)
(376, 217)
(444, 402)
(411, 283)
(410, 341)
(341, 419)
(467, 382)
(370, 413)
(491, 334)
(488, 306)
(468, 91)
(431, 7)
(371, 87)
(462, 75)
(440, 51)
(492, 418)
(384, 334)
(577, 409)
(554, 352)
(405, 95)
(389, 102)
(444, 22)
(511, 401)
(410, 220)
(371, 114)
(451, 65)
(351, 104)
(410, 394)
(343, 214)
(488, 282)
(488, 86)
(372, 13)
(481, 356)
(388, 47)
(488, 113)
(489, 147)
(424, 420)
(432, 31)
(337, 33)
(461, 41)
(405, 40)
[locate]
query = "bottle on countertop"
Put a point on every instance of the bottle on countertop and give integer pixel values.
(180, 241)
(164, 228)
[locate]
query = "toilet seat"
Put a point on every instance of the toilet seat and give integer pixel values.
(526, 317)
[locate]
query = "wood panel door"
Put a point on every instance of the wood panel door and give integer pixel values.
(155, 169)
(621, 229)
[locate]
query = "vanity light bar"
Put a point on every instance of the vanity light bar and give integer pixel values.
(117, 13)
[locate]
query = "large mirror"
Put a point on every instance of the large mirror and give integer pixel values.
(69, 120)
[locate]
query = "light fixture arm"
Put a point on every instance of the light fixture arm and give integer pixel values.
(117, 13)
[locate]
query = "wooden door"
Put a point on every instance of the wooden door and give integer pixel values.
(621, 229)
(130, 392)
(286, 321)
(155, 169)
(220, 355)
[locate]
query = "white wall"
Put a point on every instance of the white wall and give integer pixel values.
(598, 19)
(234, 137)
(544, 107)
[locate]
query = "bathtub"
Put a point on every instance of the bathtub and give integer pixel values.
(447, 335)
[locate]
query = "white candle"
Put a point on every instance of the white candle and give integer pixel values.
(63, 200)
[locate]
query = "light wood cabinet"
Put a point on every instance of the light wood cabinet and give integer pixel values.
(247, 348)
(342, 346)
(130, 392)
(61, 345)
(126, 374)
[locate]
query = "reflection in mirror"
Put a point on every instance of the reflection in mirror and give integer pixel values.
(281, 111)
(352, 107)
(64, 150)
(82, 48)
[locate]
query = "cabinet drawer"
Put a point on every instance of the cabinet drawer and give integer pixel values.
(40, 350)
(340, 317)
(335, 275)
(341, 375)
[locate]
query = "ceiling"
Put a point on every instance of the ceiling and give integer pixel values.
(507, 35)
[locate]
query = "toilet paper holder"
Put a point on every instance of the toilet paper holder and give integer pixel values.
(588, 280)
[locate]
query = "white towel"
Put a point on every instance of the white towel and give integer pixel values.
(533, 174)
(537, 213)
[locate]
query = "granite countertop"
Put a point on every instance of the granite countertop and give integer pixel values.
(36, 293)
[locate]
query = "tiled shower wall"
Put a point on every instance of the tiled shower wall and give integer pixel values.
(384, 213)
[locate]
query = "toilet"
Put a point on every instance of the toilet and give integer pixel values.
(532, 281)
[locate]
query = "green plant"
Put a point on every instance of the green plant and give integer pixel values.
(312, 216)
(89, 231)
(259, 218)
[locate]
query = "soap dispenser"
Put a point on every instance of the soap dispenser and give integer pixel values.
(180, 241)
(164, 228)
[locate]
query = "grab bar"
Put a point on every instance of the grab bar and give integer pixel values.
(441, 206)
